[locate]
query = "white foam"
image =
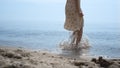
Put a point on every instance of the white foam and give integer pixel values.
(66, 44)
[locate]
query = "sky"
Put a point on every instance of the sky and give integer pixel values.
(50, 14)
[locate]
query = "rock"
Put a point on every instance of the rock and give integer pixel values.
(18, 56)
(114, 65)
(22, 52)
(86, 64)
(94, 60)
(18, 51)
(103, 62)
(43, 53)
(8, 54)
(10, 66)
(77, 63)
(17, 65)
(33, 62)
(61, 57)
(11, 55)
(25, 54)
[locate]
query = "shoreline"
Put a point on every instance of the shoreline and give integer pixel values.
(11, 57)
(58, 52)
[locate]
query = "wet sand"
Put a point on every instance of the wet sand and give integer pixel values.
(24, 58)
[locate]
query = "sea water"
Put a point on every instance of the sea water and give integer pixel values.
(102, 43)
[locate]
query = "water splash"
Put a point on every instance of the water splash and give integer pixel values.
(66, 44)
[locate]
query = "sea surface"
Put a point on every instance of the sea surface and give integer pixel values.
(103, 43)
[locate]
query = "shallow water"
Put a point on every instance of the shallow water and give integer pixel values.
(104, 43)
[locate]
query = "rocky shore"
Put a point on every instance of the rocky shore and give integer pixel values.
(23, 58)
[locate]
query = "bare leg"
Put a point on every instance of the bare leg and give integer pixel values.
(76, 37)
(79, 36)
(73, 37)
